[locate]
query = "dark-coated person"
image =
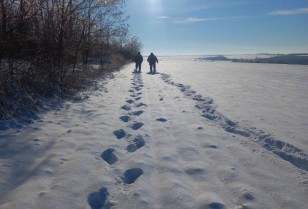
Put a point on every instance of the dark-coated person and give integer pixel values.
(138, 60)
(152, 60)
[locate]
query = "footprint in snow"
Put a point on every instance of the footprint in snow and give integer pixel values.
(247, 196)
(119, 133)
(161, 119)
(138, 142)
(137, 88)
(126, 107)
(125, 118)
(109, 156)
(99, 199)
(130, 101)
(131, 175)
(137, 113)
(198, 98)
(209, 116)
(137, 125)
(209, 201)
(211, 146)
(141, 105)
(197, 173)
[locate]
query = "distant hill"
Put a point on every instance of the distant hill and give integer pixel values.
(215, 58)
(296, 59)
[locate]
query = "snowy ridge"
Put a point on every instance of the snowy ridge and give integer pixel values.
(207, 106)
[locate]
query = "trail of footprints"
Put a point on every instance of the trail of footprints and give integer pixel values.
(99, 199)
(208, 110)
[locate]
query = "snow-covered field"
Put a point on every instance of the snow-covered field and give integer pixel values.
(199, 134)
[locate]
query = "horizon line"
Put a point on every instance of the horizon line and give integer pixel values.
(213, 54)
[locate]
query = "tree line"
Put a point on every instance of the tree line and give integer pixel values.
(45, 42)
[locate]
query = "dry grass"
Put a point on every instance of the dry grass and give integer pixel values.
(24, 94)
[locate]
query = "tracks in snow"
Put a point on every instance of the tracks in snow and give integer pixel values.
(132, 109)
(206, 105)
(162, 148)
(177, 164)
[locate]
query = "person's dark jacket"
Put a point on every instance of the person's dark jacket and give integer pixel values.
(138, 59)
(152, 59)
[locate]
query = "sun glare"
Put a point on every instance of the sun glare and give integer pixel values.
(155, 5)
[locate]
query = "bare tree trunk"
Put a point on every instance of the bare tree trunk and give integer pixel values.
(61, 34)
(3, 35)
(78, 46)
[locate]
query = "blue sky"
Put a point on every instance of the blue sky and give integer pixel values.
(170, 27)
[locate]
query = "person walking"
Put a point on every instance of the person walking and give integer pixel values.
(152, 60)
(138, 60)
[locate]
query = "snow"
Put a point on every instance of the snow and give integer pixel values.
(196, 135)
(270, 97)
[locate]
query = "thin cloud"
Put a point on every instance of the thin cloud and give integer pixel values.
(162, 17)
(188, 7)
(290, 12)
(191, 20)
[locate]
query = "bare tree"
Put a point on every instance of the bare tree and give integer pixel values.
(42, 40)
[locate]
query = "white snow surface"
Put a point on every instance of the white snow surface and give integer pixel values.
(204, 135)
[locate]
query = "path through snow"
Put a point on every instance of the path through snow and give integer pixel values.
(145, 141)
